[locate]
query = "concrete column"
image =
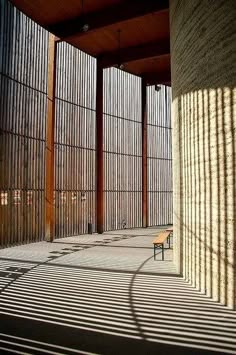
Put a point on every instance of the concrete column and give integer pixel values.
(203, 65)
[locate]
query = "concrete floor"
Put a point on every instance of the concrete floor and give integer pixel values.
(104, 294)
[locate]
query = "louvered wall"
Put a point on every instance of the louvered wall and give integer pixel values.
(75, 177)
(23, 85)
(23, 108)
(122, 150)
(160, 195)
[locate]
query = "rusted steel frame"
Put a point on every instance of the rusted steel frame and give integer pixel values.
(50, 130)
(99, 149)
(144, 155)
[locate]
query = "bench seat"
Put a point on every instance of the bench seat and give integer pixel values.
(159, 241)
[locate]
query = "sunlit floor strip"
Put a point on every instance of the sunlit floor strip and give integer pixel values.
(185, 342)
(123, 303)
(12, 351)
(86, 326)
(31, 345)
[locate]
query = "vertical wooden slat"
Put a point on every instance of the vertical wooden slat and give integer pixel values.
(144, 155)
(50, 128)
(99, 147)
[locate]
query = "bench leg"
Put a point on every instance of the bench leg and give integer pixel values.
(169, 241)
(162, 250)
(154, 250)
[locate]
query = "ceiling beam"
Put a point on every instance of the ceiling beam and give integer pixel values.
(157, 78)
(111, 15)
(130, 54)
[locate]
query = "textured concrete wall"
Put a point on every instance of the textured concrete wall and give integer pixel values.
(203, 52)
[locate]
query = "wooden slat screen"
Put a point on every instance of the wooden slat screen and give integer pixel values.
(160, 195)
(75, 176)
(23, 107)
(23, 85)
(122, 150)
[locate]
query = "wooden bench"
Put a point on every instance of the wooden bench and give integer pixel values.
(159, 241)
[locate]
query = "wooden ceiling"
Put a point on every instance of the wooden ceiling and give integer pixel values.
(134, 33)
